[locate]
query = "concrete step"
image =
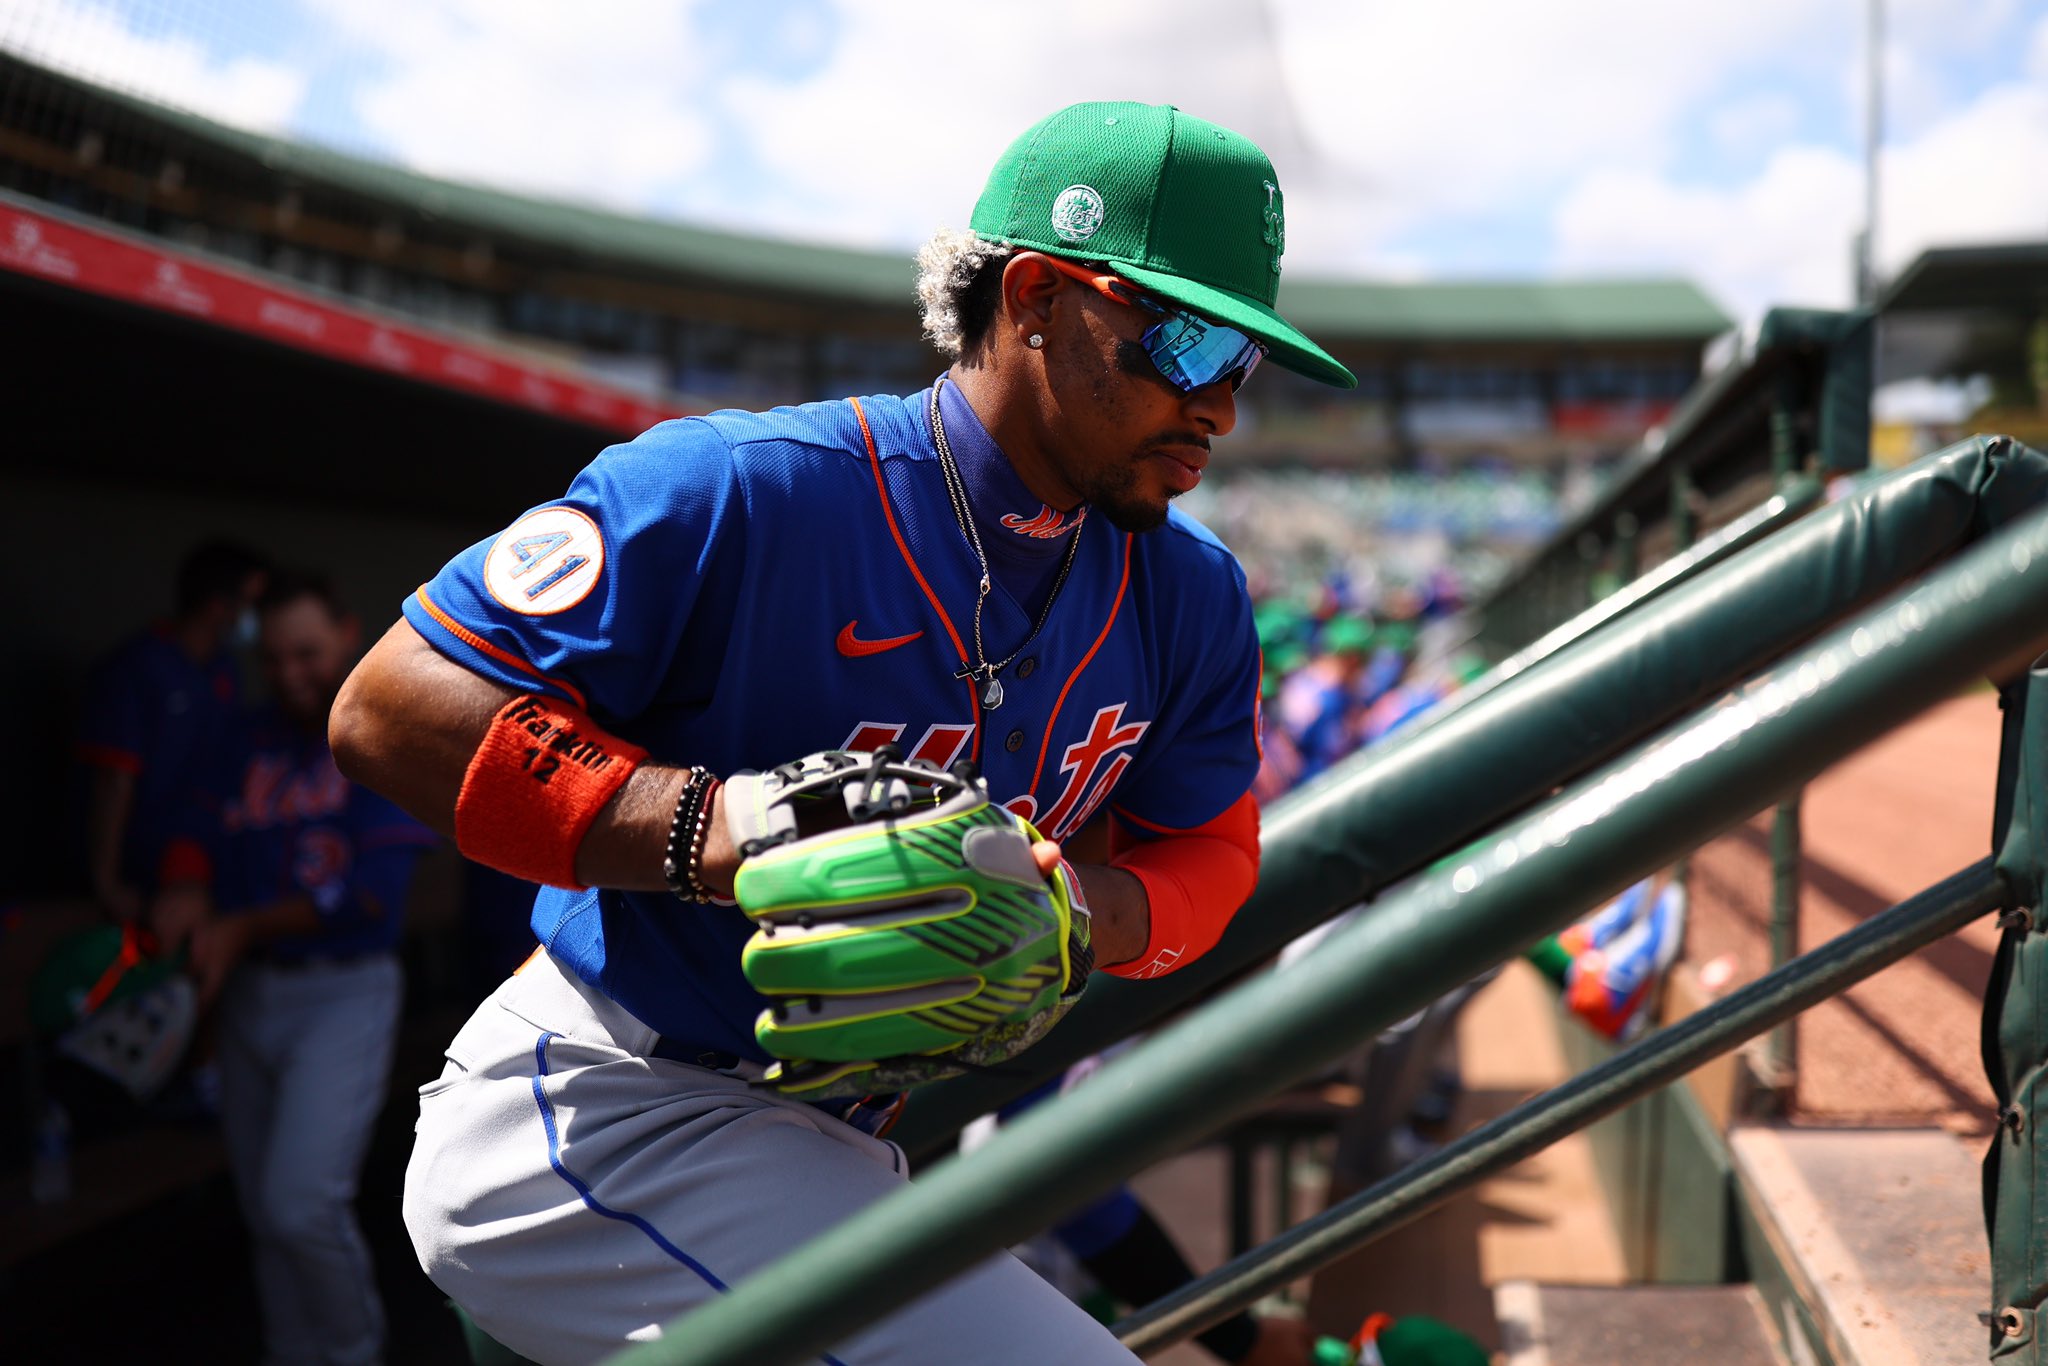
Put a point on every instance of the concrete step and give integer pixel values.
(1628, 1325)
(1866, 1244)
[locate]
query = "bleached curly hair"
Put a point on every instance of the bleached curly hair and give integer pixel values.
(948, 267)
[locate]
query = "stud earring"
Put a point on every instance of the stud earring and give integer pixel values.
(1034, 341)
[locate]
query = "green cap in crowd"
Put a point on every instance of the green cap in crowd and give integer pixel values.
(1345, 635)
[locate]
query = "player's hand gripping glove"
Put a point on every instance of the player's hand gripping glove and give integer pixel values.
(904, 933)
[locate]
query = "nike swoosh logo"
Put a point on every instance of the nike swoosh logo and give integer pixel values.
(853, 647)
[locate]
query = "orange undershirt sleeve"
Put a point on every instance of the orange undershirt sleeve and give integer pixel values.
(1194, 882)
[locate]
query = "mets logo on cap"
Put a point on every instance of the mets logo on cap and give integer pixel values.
(1275, 235)
(546, 562)
(1077, 213)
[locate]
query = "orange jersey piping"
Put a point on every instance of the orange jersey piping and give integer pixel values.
(484, 647)
(1053, 720)
(889, 515)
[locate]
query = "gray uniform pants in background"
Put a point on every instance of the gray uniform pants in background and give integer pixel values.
(305, 1056)
(574, 1194)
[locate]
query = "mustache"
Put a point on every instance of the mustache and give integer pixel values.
(1176, 439)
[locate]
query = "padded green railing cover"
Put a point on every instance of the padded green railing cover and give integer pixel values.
(2016, 1035)
(1393, 810)
(1842, 405)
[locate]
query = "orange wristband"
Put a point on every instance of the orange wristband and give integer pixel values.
(535, 785)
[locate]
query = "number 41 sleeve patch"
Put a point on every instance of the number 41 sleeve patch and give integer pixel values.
(546, 562)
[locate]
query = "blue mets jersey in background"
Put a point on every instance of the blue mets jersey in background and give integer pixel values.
(285, 823)
(742, 589)
(163, 717)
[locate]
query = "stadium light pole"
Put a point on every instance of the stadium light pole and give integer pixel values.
(1873, 140)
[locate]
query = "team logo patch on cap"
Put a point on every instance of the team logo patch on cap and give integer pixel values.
(546, 562)
(1276, 223)
(1077, 213)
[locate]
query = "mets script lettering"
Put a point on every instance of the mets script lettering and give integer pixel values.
(1089, 767)
(274, 793)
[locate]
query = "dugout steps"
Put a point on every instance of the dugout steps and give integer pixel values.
(1852, 1247)
(1847, 1246)
(1584, 1325)
(1867, 1245)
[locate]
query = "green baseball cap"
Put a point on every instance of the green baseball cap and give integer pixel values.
(1345, 635)
(1190, 211)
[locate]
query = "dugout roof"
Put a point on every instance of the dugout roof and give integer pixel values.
(2010, 277)
(135, 362)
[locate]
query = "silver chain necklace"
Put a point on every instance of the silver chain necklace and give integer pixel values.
(956, 490)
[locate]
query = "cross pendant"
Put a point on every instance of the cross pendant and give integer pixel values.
(991, 693)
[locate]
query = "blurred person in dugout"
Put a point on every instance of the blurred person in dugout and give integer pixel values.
(285, 889)
(158, 706)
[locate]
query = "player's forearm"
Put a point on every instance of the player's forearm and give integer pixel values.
(409, 720)
(1120, 918)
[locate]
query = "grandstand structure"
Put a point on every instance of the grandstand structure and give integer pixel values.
(226, 315)
(688, 319)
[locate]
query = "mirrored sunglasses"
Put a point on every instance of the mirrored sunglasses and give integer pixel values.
(1189, 352)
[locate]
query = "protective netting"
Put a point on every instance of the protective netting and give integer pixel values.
(239, 62)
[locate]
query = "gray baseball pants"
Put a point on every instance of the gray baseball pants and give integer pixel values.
(573, 1194)
(305, 1057)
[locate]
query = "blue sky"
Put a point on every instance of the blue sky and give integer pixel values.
(1463, 138)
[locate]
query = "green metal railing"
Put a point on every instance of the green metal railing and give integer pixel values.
(1985, 611)
(1529, 1128)
(1391, 811)
(1774, 514)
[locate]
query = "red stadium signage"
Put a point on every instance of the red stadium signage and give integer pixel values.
(119, 266)
(1620, 419)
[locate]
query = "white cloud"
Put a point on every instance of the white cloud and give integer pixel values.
(1784, 235)
(592, 102)
(96, 42)
(1534, 137)
(1461, 105)
(1748, 127)
(1383, 120)
(1782, 238)
(894, 136)
(1976, 176)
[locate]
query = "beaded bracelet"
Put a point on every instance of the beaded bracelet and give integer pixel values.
(680, 867)
(700, 835)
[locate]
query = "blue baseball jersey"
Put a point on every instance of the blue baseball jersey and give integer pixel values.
(156, 713)
(742, 589)
(282, 822)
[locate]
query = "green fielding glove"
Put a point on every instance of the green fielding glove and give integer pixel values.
(905, 932)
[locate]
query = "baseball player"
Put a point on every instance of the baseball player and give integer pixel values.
(159, 706)
(288, 894)
(639, 693)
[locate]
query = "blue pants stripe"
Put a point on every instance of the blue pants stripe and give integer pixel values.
(547, 1119)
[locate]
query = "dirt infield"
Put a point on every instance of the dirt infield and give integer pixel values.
(1902, 1047)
